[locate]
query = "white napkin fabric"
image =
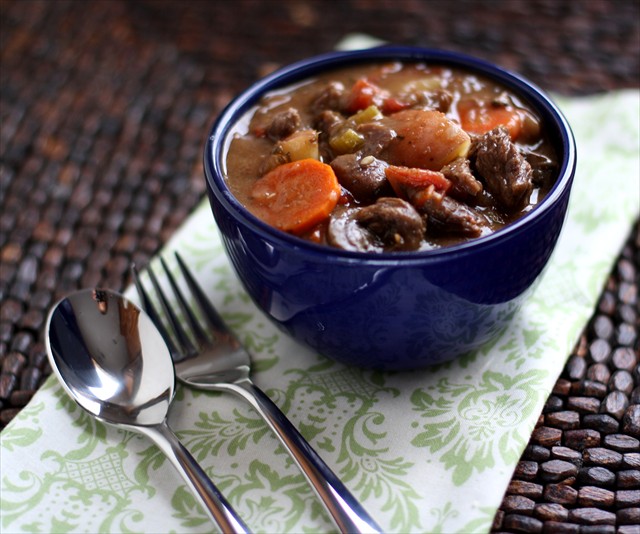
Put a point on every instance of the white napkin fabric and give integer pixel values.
(424, 451)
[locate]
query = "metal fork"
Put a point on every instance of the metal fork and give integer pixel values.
(221, 363)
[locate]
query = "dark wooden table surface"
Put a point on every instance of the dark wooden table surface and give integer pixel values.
(104, 109)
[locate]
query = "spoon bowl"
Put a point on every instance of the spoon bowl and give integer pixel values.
(96, 341)
(112, 360)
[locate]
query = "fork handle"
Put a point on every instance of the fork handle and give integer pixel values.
(214, 503)
(346, 511)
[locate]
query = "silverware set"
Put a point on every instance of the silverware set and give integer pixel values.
(202, 353)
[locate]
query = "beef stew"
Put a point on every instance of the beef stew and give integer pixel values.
(394, 157)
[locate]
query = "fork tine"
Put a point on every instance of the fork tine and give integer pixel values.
(148, 307)
(211, 314)
(186, 346)
(196, 329)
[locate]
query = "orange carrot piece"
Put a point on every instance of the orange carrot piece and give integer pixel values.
(479, 118)
(407, 181)
(363, 94)
(296, 196)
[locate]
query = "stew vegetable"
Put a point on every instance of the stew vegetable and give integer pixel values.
(392, 157)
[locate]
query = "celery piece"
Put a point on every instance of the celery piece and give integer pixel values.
(346, 141)
(366, 115)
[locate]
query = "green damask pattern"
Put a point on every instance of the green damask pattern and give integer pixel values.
(426, 451)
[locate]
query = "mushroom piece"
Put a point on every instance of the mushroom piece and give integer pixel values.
(389, 225)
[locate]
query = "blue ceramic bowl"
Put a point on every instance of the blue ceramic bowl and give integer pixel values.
(389, 311)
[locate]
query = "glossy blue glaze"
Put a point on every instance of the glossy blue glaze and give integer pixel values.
(389, 311)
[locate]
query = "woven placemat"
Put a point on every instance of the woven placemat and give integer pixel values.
(103, 114)
(581, 469)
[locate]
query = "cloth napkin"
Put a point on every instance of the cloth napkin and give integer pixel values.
(425, 451)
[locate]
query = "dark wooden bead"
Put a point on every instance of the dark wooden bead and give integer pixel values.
(7, 414)
(524, 488)
(595, 496)
(592, 516)
(600, 351)
(22, 342)
(496, 526)
(521, 523)
(551, 512)
(627, 498)
(628, 516)
(598, 376)
(615, 404)
(556, 470)
(566, 454)
(562, 387)
(626, 270)
(622, 443)
(20, 397)
(602, 457)
(626, 314)
(537, 453)
(598, 529)
(581, 439)
(557, 527)
(597, 476)
(561, 494)
(8, 382)
(584, 404)
(576, 368)
(564, 419)
(629, 479)
(518, 504)
(624, 358)
(546, 436)
(631, 421)
(13, 363)
(553, 404)
(30, 378)
(626, 335)
(602, 327)
(628, 292)
(526, 470)
(608, 302)
(601, 422)
(622, 380)
(631, 460)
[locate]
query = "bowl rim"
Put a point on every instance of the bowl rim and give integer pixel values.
(216, 144)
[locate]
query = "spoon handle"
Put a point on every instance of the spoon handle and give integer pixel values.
(202, 486)
(347, 513)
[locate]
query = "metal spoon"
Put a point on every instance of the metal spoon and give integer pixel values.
(113, 362)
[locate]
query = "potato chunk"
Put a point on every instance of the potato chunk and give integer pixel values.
(425, 139)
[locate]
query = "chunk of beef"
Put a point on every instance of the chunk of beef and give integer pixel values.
(464, 184)
(543, 169)
(439, 100)
(363, 177)
(330, 97)
(328, 122)
(447, 215)
(391, 224)
(284, 124)
(376, 138)
(505, 171)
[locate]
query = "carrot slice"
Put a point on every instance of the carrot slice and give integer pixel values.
(296, 196)
(407, 181)
(479, 118)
